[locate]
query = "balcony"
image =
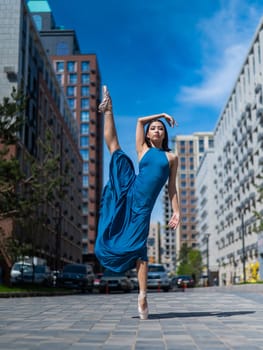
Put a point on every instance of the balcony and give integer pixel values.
(260, 136)
(260, 113)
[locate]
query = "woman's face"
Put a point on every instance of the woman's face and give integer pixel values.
(156, 133)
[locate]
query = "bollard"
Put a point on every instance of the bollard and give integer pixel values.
(159, 286)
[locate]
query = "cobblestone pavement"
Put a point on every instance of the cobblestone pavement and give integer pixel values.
(204, 318)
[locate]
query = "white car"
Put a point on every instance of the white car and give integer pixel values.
(158, 278)
(22, 272)
(18, 270)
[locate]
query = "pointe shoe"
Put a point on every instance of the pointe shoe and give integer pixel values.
(143, 313)
(106, 104)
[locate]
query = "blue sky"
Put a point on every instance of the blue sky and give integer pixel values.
(174, 56)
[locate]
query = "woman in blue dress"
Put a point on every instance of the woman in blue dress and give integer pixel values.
(128, 199)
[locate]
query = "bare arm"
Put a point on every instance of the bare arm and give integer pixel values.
(141, 122)
(175, 219)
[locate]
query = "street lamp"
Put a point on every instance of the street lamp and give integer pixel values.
(207, 258)
(241, 211)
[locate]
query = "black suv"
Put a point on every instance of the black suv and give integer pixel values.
(182, 281)
(77, 276)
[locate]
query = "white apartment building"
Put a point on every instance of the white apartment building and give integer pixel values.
(237, 163)
(206, 207)
(190, 149)
(153, 243)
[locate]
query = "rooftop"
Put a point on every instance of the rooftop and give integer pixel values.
(38, 6)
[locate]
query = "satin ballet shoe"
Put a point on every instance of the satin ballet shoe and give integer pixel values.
(106, 104)
(143, 313)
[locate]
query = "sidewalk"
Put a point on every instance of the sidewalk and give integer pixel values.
(212, 318)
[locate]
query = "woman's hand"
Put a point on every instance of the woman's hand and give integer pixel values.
(174, 221)
(170, 120)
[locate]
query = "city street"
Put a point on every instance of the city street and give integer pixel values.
(205, 318)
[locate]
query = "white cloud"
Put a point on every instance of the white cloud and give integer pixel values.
(225, 40)
(217, 81)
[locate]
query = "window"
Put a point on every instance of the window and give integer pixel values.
(71, 66)
(71, 91)
(85, 193)
(84, 128)
(84, 91)
(38, 22)
(84, 141)
(183, 176)
(62, 48)
(182, 159)
(59, 78)
(201, 145)
(72, 78)
(84, 208)
(85, 154)
(60, 67)
(85, 167)
(84, 78)
(84, 116)
(71, 102)
(211, 143)
(85, 180)
(182, 143)
(84, 103)
(85, 66)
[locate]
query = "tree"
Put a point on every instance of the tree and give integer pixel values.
(190, 262)
(25, 196)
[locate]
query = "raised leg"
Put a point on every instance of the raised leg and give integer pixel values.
(142, 272)
(110, 133)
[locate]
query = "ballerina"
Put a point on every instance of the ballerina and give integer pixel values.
(128, 199)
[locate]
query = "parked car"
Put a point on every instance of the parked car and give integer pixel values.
(97, 279)
(77, 276)
(18, 270)
(133, 277)
(23, 272)
(112, 281)
(158, 277)
(181, 282)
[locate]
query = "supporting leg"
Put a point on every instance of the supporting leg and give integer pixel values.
(142, 272)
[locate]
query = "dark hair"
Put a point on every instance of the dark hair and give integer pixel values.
(165, 146)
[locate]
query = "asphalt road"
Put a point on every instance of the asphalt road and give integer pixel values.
(204, 318)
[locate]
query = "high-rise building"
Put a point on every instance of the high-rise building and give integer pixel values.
(237, 175)
(190, 149)
(80, 77)
(153, 243)
(206, 218)
(25, 65)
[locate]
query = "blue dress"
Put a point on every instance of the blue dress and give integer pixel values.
(126, 206)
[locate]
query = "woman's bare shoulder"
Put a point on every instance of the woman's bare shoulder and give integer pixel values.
(173, 159)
